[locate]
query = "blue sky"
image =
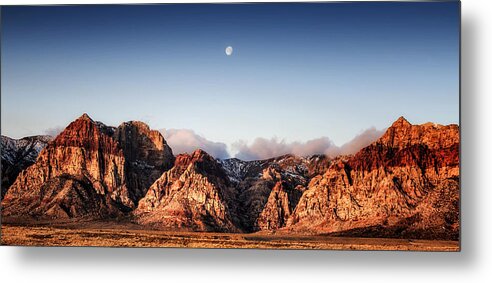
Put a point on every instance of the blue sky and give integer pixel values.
(298, 71)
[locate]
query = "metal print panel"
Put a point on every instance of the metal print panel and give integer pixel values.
(276, 126)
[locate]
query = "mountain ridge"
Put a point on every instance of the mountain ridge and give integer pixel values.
(17, 155)
(393, 184)
(84, 171)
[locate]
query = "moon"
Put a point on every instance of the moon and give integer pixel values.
(228, 50)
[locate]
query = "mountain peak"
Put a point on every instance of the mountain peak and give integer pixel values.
(403, 134)
(199, 152)
(85, 116)
(137, 124)
(401, 122)
(197, 156)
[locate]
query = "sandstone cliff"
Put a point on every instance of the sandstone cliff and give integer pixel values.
(146, 155)
(394, 184)
(281, 202)
(260, 182)
(405, 184)
(194, 195)
(89, 171)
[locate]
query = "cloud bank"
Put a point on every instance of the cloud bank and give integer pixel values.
(53, 131)
(262, 148)
(360, 141)
(187, 141)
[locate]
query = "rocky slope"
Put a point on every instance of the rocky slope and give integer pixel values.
(259, 182)
(194, 195)
(17, 155)
(405, 184)
(203, 194)
(89, 170)
(146, 154)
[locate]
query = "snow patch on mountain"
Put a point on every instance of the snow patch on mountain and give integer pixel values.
(24, 149)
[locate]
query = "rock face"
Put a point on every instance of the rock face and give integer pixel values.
(282, 200)
(405, 183)
(147, 155)
(259, 181)
(17, 155)
(195, 195)
(89, 170)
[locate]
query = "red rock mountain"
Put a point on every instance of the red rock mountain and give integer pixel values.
(194, 195)
(262, 186)
(90, 170)
(405, 184)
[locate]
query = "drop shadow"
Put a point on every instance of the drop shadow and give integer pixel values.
(286, 259)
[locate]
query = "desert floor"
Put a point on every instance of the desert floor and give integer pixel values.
(13, 235)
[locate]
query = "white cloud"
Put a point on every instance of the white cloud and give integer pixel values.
(360, 141)
(262, 148)
(53, 131)
(184, 140)
(187, 141)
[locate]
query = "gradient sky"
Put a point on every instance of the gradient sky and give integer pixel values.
(298, 71)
